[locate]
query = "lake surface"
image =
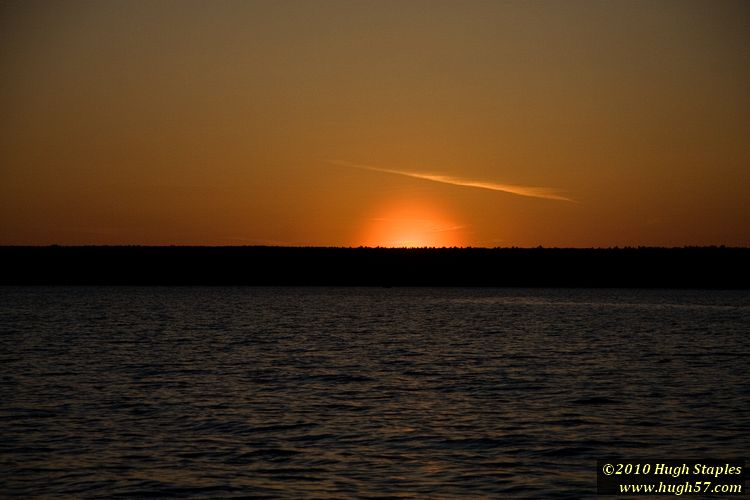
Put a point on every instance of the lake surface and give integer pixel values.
(357, 392)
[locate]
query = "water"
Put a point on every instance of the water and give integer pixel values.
(368, 393)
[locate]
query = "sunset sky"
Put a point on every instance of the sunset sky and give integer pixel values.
(347, 123)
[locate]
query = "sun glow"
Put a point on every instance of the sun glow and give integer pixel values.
(412, 224)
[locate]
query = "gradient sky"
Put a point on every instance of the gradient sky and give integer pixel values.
(482, 123)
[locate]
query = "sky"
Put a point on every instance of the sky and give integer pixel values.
(377, 123)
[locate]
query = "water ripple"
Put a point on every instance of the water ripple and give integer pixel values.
(361, 393)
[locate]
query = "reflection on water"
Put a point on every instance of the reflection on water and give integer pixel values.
(316, 392)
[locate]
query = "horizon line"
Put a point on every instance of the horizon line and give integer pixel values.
(366, 247)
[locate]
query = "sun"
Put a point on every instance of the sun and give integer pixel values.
(411, 224)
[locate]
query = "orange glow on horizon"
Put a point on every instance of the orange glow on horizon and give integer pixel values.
(340, 123)
(412, 224)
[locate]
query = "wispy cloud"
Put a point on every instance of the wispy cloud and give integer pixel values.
(531, 191)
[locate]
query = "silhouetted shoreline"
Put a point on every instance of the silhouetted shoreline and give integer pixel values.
(689, 267)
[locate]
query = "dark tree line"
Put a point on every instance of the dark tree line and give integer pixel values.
(697, 267)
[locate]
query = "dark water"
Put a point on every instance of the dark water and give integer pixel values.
(369, 393)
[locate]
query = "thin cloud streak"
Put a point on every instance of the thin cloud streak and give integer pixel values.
(530, 191)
